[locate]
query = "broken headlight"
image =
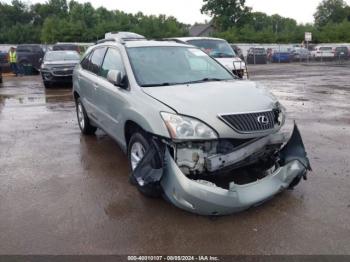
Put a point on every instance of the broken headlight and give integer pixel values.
(183, 127)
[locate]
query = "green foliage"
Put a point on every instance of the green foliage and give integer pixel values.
(59, 21)
(331, 11)
(226, 13)
(331, 23)
(62, 21)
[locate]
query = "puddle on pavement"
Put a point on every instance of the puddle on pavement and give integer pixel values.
(57, 99)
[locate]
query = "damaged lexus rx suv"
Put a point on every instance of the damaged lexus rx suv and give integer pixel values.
(206, 141)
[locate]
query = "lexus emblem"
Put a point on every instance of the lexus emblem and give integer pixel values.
(263, 120)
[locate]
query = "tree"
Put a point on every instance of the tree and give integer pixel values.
(331, 11)
(226, 13)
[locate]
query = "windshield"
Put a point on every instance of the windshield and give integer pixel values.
(258, 51)
(326, 48)
(61, 55)
(157, 66)
(214, 48)
(282, 50)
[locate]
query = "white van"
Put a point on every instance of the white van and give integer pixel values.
(219, 49)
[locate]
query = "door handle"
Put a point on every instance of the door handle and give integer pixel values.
(95, 86)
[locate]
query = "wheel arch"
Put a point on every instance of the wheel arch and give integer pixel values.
(130, 128)
(75, 95)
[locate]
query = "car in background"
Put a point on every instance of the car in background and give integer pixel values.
(342, 53)
(256, 55)
(300, 54)
(58, 66)
(281, 55)
(220, 50)
(238, 51)
(3, 62)
(30, 55)
(323, 53)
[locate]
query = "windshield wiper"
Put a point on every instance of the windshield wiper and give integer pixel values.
(161, 84)
(207, 79)
(222, 55)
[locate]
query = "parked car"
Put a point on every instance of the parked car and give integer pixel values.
(193, 132)
(300, 54)
(323, 53)
(257, 55)
(3, 62)
(30, 55)
(0, 74)
(220, 50)
(342, 52)
(57, 67)
(281, 55)
(238, 51)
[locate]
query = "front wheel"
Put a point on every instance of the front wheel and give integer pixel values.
(47, 84)
(83, 120)
(137, 148)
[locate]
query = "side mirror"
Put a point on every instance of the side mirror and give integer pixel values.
(115, 77)
(40, 60)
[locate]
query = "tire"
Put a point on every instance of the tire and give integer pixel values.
(83, 120)
(140, 138)
(47, 84)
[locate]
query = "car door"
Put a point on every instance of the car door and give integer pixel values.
(89, 79)
(111, 99)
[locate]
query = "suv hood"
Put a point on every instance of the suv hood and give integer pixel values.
(206, 100)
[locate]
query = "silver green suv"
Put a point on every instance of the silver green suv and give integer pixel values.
(194, 134)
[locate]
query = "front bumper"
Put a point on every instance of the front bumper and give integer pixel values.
(209, 199)
(51, 76)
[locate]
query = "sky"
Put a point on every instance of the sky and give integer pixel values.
(188, 11)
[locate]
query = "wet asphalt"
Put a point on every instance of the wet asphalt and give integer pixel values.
(64, 193)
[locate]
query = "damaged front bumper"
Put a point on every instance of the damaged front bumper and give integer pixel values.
(206, 198)
(211, 200)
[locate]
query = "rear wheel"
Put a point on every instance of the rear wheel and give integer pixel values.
(138, 145)
(83, 120)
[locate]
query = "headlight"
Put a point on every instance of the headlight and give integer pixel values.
(182, 127)
(280, 114)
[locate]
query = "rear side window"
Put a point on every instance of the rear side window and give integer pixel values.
(86, 62)
(112, 61)
(96, 60)
(326, 48)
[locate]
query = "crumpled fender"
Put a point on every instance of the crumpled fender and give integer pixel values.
(295, 150)
(146, 173)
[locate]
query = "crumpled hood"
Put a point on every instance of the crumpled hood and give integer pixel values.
(206, 100)
(231, 63)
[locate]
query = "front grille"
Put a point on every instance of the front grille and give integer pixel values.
(63, 72)
(251, 122)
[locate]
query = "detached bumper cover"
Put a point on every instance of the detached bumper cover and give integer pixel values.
(208, 199)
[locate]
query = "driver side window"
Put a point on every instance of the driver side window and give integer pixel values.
(112, 61)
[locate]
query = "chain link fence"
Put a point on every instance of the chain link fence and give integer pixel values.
(322, 54)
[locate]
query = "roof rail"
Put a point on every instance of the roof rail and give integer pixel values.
(106, 40)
